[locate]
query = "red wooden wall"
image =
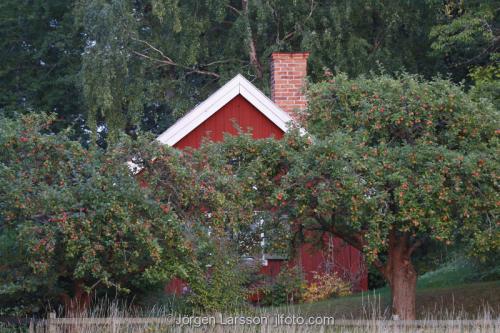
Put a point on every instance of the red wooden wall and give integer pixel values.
(335, 256)
(346, 260)
(239, 110)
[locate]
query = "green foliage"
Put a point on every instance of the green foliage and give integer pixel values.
(125, 65)
(355, 37)
(110, 76)
(386, 155)
(221, 288)
(12, 328)
(75, 219)
(423, 150)
(467, 34)
(40, 52)
(375, 278)
(289, 288)
(258, 164)
(201, 188)
(387, 163)
(487, 81)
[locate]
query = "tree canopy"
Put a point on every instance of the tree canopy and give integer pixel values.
(75, 222)
(388, 164)
(111, 66)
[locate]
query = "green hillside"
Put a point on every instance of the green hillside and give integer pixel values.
(467, 300)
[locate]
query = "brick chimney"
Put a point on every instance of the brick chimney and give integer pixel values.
(288, 71)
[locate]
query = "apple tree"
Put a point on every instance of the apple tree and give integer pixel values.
(77, 221)
(388, 164)
(394, 163)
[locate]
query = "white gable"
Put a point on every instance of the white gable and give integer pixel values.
(237, 86)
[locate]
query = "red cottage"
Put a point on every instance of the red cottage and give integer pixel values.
(240, 101)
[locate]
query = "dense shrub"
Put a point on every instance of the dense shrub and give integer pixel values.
(221, 288)
(325, 286)
(288, 288)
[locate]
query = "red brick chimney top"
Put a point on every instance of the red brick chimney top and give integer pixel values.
(287, 55)
(288, 71)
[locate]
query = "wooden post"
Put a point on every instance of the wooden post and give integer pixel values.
(218, 323)
(50, 322)
(113, 325)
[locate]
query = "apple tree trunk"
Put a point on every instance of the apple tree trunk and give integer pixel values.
(402, 279)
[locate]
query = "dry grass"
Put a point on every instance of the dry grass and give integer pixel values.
(467, 308)
(120, 319)
(467, 301)
(134, 325)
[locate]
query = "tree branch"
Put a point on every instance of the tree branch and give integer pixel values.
(155, 49)
(355, 240)
(414, 246)
(234, 9)
(290, 34)
(252, 49)
(167, 61)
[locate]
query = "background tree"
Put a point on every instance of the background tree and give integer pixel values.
(356, 37)
(40, 55)
(466, 36)
(112, 66)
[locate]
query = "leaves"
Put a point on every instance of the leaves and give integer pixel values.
(409, 151)
(113, 66)
(384, 154)
(79, 214)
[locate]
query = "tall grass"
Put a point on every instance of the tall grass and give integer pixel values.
(119, 317)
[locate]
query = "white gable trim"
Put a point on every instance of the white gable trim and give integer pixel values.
(237, 86)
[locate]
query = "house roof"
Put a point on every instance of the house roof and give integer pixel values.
(236, 86)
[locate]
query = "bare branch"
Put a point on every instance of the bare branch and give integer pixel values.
(252, 49)
(199, 71)
(234, 9)
(222, 62)
(154, 49)
(167, 61)
(163, 62)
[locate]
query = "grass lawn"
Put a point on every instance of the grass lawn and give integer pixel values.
(432, 302)
(451, 291)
